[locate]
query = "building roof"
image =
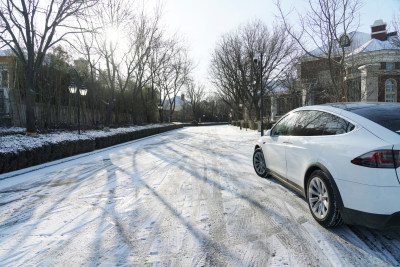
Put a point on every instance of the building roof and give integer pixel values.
(376, 45)
(362, 42)
(6, 52)
(178, 102)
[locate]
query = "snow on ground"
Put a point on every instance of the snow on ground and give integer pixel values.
(188, 197)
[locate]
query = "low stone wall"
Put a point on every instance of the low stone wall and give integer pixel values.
(49, 152)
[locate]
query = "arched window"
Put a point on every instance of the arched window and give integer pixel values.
(390, 91)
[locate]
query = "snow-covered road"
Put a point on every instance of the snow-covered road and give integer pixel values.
(189, 197)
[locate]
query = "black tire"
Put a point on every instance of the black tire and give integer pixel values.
(259, 163)
(322, 201)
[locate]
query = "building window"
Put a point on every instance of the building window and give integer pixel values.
(389, 65)
(4, 82)
(390, 91)
(4, 79)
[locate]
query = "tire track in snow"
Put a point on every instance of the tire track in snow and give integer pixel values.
(272, 222)
(238, 213)
(159, 241)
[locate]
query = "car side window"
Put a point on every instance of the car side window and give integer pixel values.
(314, 123)
(285, 125)
(336, 125)
(308, 124)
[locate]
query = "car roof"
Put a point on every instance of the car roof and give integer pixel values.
(356, 107)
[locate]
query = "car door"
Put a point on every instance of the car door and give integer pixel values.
(302, 148)
(315, 133)
(274, 145)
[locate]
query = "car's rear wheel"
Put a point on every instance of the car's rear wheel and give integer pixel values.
(259, 163)
(322, 200)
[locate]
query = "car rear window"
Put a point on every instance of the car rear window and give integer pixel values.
(386, 115)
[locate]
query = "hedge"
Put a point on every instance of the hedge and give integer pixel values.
(49, 152)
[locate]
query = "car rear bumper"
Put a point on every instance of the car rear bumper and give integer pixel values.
(370, 199)
(371, 220)
(376, 207)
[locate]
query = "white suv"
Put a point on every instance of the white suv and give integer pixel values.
(343, 158)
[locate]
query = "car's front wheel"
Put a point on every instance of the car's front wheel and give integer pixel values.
(259, 163)
(322, 200)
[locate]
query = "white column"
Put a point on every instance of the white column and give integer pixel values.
(304, 96)
(369, 82)
(273, 107)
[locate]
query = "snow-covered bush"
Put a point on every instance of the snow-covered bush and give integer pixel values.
(20, 151)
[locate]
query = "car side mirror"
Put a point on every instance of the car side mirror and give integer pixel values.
(268, 133)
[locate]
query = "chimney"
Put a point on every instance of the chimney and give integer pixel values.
(378, 30)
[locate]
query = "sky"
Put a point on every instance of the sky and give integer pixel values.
(203, 22)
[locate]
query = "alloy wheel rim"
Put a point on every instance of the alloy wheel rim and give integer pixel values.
(318, 198)
(259, 163)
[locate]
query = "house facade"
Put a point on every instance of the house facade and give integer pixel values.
(372, 68)
(7, 71)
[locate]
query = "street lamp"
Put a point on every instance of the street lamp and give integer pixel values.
(258, 58)
(77, 87)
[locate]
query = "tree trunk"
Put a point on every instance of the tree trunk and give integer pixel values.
(109, 110)
(161, 115)
(30, 103)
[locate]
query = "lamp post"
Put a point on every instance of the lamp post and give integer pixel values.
(258, 58)
(77, 87)
(183, 107)
(241, 111)
(160, 107)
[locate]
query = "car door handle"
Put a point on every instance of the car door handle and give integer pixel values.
(286, 142)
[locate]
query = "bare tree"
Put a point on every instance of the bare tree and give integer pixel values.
(29, 28)
(161, 58)
(125, 61)
(181, 68)
(196, 94)
(163, 52)
(325, 27)
(225, 73)
(112, 18)
(396, 26)
(147, 55)
(173, 75)
(235, 74)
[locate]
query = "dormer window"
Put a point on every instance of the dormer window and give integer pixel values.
(344, 40)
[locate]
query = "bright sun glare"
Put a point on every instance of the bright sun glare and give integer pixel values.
(112, 35)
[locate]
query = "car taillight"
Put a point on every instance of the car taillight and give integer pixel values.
(379, 159)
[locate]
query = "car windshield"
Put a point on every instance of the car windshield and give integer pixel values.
(386, 115)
